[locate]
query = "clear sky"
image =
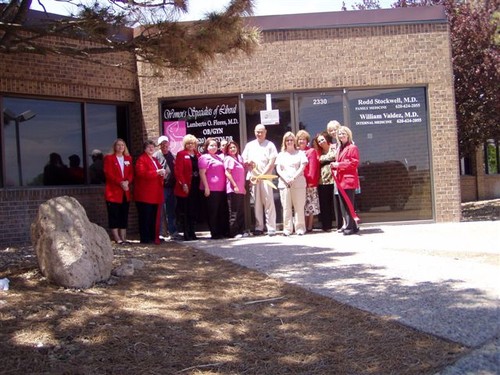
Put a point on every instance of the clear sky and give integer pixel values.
(197, 8)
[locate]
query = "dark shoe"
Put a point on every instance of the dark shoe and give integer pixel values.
(348, 232)
(356, 230)
(258, 233)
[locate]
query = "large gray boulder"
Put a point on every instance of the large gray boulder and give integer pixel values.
(71, 251)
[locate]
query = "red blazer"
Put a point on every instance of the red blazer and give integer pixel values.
(311, 171)
(113, 191)
(347, 171)
(183, 170)
(148, 186)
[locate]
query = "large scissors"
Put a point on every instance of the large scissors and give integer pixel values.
(265, 178)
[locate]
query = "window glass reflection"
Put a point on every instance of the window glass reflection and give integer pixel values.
(101, 123)
(55, 128)
(43, 141)
(317, 109)
(390, 128)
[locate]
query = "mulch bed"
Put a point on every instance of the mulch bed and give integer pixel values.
(481, 210)
(187, 312)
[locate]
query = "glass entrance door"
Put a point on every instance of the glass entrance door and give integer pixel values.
(254, 105)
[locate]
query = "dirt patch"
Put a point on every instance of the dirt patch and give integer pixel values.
(188, 312)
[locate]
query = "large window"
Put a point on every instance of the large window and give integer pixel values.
(390, 128)
(49, 142)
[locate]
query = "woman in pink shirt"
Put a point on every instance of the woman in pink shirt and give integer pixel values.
(213, 185)
(235, 189)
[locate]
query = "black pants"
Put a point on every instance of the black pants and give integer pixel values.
(146, 214)
(325, 195)
(118, 214)
(338, 211)
(218, 214)
(187, 211)
(349, 222)
(236, 203)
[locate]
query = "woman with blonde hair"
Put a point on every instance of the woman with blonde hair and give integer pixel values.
(332, 128)
(119, 174)
(290, 165)
(346, 169)
(187, 175)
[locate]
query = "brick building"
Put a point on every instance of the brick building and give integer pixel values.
(386, 74)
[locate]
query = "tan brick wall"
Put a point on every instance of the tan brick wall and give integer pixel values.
(356, 57)
(62, 78)
(19, 207)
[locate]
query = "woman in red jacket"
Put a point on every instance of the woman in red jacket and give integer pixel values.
(148, 193)
(187, 187)
(119, 174)
(311, 173)
(346, 169)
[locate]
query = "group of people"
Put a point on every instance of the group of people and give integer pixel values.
(313, 176)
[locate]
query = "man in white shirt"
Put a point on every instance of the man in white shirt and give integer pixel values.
(259, 156)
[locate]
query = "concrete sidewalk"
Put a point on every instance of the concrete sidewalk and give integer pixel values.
(443, 279)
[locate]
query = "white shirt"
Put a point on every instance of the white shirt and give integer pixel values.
(260, 154)
(287, 165)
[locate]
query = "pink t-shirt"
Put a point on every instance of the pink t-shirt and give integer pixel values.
(215, 172)
(237, 171)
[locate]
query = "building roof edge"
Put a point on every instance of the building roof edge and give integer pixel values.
(355, 18)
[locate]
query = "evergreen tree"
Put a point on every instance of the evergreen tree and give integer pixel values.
(105, 27)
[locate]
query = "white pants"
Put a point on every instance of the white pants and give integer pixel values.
(293, 200)
(264, 204)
